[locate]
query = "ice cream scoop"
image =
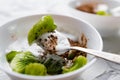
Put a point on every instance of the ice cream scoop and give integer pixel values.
(53, 42)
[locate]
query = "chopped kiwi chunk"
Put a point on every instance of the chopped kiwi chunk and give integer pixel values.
(36, 69)
(44, 25)
(19, 62)
(102, 13)
(11, 55)
(78, 62)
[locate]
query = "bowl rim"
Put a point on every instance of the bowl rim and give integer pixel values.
(54, 76)
(90, 14)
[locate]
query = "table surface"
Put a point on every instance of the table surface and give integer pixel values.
(101, 70)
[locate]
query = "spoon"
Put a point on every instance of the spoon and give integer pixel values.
(105, 55)
(63, 46)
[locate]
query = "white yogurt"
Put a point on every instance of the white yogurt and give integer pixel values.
(62, 41)
(22, 44)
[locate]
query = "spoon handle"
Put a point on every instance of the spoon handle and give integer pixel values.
(105, 55)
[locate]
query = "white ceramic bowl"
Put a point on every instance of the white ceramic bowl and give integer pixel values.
(106, 25)
(18, 29)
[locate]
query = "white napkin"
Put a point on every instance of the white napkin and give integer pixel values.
(112, 73)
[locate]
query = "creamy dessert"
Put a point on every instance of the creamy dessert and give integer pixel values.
(46, 41)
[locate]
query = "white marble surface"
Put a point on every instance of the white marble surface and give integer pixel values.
(101, 70)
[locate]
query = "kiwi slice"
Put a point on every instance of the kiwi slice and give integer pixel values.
(19, 62)
(44, 25)
(11, 55)
(36, 69)
(78, 62)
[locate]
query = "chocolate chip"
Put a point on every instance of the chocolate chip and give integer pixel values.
(45, 40)
(48, 36)
(55, 37)
(40, 39)
(53, 48)
(51, 35)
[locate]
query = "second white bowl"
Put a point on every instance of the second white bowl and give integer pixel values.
(106, 25)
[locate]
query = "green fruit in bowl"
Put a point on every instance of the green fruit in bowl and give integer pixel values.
(78, 62)
(20, 60)
(36, 69)
(11, 55)
(44, 25)
(102, 13)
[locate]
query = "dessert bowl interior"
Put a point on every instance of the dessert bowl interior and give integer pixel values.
(106, 25)
(17, 30)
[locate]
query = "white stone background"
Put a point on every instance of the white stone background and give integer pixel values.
(101, 70)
